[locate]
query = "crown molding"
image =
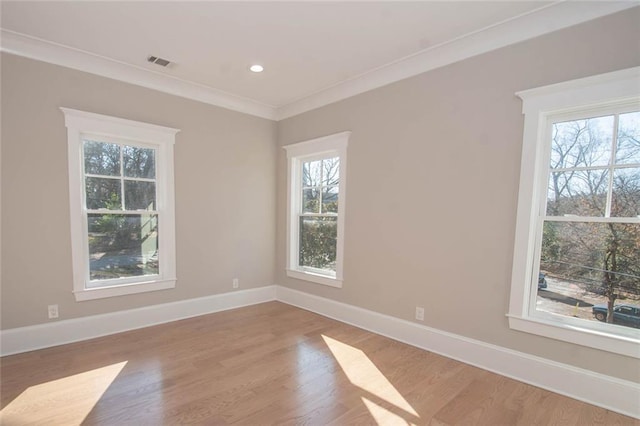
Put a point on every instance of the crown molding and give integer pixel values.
(541, 21)
(533, 24)
(46, 51)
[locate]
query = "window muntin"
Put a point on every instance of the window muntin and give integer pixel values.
(601, 97)
(315, 219)
(122, 205)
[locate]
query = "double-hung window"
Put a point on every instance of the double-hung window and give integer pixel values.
(121, 199)
(576, 269)
(316, 204)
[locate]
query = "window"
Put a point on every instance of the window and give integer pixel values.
(121, 198)
(578, 223)
(316, 205)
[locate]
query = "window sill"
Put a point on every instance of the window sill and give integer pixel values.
(315, 278)
(121, 290)
(623, 345)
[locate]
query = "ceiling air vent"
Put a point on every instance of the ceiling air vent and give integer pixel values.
(159, 61)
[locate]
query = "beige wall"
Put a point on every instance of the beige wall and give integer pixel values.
(225, 191)
(433, 176)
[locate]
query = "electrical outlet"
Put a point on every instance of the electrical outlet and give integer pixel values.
(236, 283)
(419, 313)
(53, 311)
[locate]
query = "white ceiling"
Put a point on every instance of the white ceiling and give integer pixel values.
(314, 53)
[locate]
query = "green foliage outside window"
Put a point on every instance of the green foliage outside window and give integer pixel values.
(318, 242)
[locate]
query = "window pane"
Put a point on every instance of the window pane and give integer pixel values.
(139, 195)
(581, 193)
(318, 242)
(582, 143)
(122, 246)
(626, 193)
(311, 173)
(330, 171)
(139, 162)
(628, 138)
(585, 263)
(310, 200)
(330, 199)
(101, 158)
(102, 193)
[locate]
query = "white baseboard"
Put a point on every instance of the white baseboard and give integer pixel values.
(23, 339)
(598, 389)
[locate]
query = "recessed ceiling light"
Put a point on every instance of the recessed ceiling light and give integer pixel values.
(256, 68)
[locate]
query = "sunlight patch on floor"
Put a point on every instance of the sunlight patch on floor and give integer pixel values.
(362, 372)
(382, 416)
(65, 401)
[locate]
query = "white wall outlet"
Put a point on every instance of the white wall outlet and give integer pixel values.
(236, 283)
(53, 311)
(419, 313)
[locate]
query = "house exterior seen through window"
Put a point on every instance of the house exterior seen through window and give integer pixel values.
(122, 213)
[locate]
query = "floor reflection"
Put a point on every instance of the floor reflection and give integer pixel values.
(312, 380)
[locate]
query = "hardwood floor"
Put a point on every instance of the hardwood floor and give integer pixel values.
(268, 364)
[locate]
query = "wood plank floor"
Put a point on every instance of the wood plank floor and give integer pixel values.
(268, 364)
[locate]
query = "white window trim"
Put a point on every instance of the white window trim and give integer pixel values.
(162, 138)
(616, 88)
(327, 146)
